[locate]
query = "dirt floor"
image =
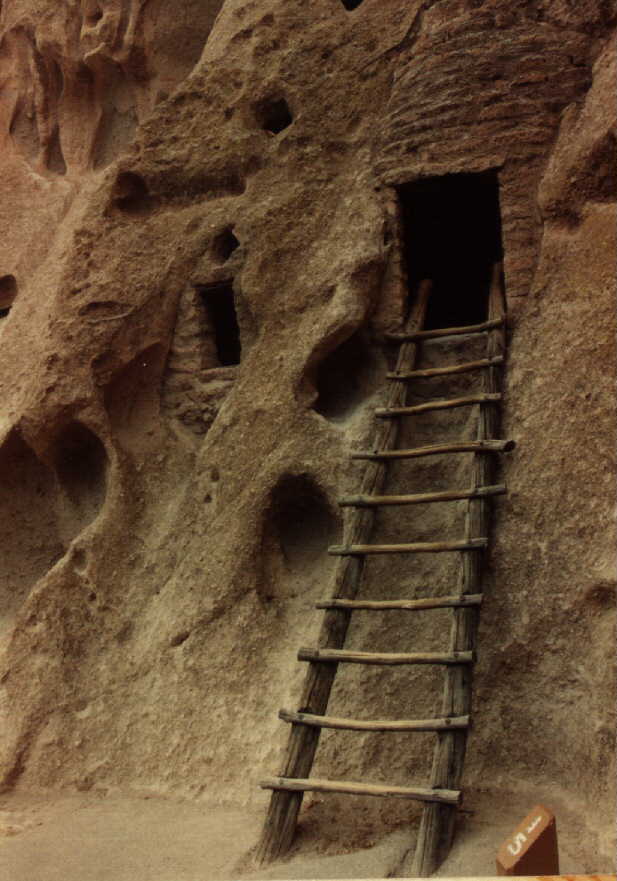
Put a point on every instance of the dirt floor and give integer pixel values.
(89, 837)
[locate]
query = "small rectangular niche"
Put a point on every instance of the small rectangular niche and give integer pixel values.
(220, 309)
(452, 235)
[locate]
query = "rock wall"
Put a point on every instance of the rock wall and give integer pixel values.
(168, 514)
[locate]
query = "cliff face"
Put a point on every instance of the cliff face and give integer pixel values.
(166, 510)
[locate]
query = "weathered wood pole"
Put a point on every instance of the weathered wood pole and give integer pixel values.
(437, 824)
(280, 823)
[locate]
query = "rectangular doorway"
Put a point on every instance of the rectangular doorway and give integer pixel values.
(452, 235)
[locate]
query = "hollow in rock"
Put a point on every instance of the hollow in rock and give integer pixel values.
(8, 292)
(345, 378)
(224, 244)
(130, 193)
(273, 115)
(81, 464)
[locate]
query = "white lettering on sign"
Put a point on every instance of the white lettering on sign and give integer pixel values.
(517, 845)
(533, 825)
(520, 838)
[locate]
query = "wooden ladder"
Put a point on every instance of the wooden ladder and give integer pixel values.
(443, 794)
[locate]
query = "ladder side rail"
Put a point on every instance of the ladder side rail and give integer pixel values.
(436, 830)
(280, 823)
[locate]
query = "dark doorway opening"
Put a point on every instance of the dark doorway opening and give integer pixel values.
(453, 236)
(218, 300)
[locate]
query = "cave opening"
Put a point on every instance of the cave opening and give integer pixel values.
(130, 192)
(452, 235)
(274, 115)
(219, 304)
(224, 244)
(351, 4)
(8, 292)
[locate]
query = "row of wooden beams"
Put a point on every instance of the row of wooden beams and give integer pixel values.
(477, 446)
(445, 404)
(418, 793)
(449, 602)
(448, 495)
(482, 364)
(280, 823)
(438, 821)
(339, 724)
(418, 547)
(386, 659)
(446, 331)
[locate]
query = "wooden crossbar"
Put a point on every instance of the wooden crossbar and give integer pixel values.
(446, 404)
(314, 784)
(451, 602)
(446, 331)
(450, 369)
(477, 446)
(374, 725)
(418, 547)
(448, 495)
(387, 659)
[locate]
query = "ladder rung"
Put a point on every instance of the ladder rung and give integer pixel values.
(420, 547)
(389, 412)
(470, 599)
(446, 331)
(478, 446)
(455, 722)
(446, 371)
(297, 784)
(421, 498)
(388, 659)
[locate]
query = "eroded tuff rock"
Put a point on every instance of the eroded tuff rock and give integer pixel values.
(167, 512)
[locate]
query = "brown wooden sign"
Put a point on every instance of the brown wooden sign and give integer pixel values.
(532, 848)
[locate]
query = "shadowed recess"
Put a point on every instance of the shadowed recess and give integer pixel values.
(453, 236)
(130, 193)
(55, 156)
(81, 466)
(223, 246)
(31, 542)
(345, 378)
(301, 520)
(8, 292)
(351, 4)
(218, 301)
(273, 115)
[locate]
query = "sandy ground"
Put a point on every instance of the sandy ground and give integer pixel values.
(87, 837)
